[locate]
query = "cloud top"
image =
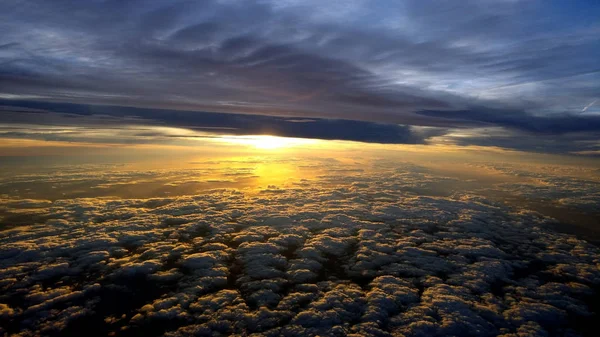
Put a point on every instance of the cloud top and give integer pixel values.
(354, 255)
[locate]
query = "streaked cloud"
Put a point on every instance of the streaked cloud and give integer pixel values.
(476, 62)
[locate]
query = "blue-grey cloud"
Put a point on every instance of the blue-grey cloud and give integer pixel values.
(514, 119)
(352, 60)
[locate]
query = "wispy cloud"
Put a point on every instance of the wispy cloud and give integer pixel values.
(589, 105)
(345, 60)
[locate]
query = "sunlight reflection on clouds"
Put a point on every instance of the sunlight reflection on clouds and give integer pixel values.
(373, 242)
(366, 250)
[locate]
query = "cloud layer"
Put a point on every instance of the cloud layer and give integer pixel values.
(520, 65)
(338, 255)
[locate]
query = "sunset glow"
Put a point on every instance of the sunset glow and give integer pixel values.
(266, 142)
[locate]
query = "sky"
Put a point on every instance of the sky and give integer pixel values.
(507, 73)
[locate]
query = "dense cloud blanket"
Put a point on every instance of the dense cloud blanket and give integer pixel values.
(362, 258)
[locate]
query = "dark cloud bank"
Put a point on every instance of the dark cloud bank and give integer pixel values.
(513, 129)
(225, 123)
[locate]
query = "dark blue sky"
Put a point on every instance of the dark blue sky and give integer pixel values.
(528, 68)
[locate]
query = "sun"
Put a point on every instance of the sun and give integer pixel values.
(266, 142)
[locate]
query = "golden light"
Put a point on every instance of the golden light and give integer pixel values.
(266, 142)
